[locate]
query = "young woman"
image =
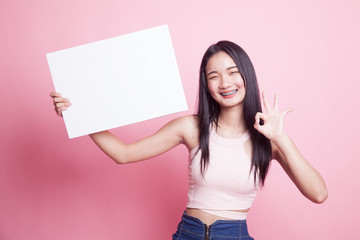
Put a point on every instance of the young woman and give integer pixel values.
(230, 143)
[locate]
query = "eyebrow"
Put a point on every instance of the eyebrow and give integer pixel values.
(216, 71)
(231, 67)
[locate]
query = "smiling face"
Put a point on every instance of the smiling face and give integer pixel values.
(224, 81)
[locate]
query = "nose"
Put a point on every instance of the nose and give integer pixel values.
(225, 82)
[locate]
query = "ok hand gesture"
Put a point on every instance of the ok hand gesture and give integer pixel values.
(273, 127)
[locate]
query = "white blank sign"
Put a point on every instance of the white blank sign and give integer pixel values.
(118, 81)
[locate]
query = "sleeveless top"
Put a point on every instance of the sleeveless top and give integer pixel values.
(228, 184)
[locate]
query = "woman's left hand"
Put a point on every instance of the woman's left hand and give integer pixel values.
(273, 127)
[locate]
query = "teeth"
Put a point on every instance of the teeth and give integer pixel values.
(226, 94)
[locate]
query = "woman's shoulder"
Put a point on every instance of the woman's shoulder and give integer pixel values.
(187, 122)
(189, 126)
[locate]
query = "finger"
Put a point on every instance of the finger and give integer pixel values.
(287, 111)
(257, 121)
(266, 103)
(62, 109)
(58, 112)
(67, 101)
(57, 99)
(276, 102)
(61, 104)
(60, 101)
(55, 94)
(258, 117)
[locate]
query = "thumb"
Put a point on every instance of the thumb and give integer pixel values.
(258, 118)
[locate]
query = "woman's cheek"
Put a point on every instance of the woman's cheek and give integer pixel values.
(241, 83)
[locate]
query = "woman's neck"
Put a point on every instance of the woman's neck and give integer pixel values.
(231, 122)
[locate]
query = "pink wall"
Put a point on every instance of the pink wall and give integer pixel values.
(55, 188)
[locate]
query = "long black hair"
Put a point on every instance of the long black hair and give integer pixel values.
(209, 109)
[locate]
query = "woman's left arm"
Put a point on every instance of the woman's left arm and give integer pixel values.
(306, 178)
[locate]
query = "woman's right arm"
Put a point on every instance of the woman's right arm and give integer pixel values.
(169, 136)
(163, 140)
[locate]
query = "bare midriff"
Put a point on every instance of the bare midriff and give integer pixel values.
(208, 218)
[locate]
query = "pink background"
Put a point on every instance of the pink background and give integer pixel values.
(55, 188)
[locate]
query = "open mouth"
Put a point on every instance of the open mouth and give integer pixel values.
(229, 93)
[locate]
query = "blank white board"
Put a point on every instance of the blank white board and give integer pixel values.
(118, 81)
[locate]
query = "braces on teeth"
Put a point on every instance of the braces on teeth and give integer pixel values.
(226, 94)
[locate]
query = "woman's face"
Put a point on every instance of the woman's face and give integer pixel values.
(224, 81)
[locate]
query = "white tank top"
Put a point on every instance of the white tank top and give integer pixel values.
(228, 184)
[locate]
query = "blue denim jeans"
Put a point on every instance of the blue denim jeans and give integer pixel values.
(192, 228)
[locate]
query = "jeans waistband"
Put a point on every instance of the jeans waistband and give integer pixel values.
(221, 229)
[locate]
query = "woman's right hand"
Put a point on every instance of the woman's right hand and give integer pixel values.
(60, 103)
